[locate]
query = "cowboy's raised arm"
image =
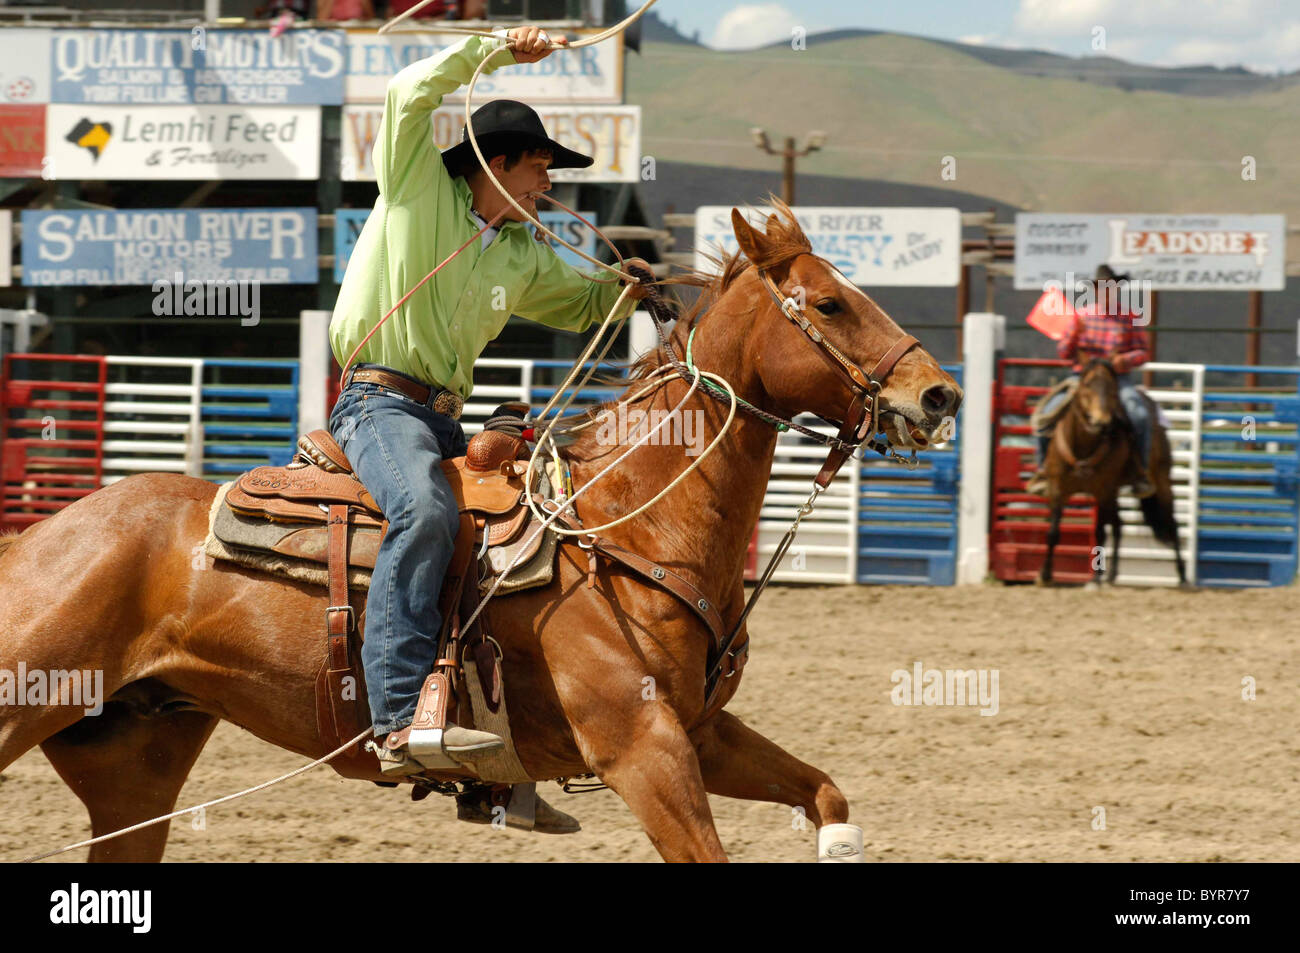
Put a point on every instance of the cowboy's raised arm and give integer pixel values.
(405, 157)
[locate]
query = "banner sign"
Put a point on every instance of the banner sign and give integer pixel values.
(6, 247)
(22, 141)
(590, 74)
(141, 246)
(1172, 252)
(25, 66)
(183, 142)
(609, 134)
(912, 247)
(198, 67)
(348, 223)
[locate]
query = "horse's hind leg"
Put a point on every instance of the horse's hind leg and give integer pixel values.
(736, 761)
(128, 768)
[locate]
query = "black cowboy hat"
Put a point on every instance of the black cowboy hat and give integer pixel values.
(502, 119)
(1104, 273)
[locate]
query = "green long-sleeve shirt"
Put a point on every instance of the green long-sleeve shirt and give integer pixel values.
(421, 216)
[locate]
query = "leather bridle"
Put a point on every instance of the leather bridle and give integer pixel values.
(861, 417)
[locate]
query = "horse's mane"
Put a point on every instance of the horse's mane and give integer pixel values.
(785, 242)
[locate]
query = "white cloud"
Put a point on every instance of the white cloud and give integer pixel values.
(755, 24)
(1264, 33)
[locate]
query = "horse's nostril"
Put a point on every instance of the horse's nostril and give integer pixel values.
(938, 399)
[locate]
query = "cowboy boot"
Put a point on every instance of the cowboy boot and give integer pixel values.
(477, 805)
(398, 760)
(1038, 484)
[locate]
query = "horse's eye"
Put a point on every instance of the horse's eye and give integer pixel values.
(830, 306)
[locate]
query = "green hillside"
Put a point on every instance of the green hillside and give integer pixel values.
(894, 106)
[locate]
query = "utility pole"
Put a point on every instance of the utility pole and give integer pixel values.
(816, 139)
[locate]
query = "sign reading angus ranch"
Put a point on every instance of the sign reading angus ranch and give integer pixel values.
(1172, 252)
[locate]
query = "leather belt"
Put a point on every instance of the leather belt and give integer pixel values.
(444, 401)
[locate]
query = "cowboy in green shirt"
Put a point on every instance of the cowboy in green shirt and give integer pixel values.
(395, 418)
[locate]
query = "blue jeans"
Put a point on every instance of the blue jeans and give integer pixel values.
(396, 446)
(1134, 406)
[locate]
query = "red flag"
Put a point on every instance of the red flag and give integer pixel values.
(1052, 315)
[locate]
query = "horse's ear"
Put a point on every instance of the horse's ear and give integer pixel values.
(749, 239)
(772, 222)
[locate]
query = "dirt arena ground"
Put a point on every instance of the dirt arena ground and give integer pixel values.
(1127, 700)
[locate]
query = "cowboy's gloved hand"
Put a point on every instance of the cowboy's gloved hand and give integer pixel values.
(639, 291)
(532, 44)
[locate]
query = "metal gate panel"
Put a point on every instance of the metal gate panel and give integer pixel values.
(907, 519)
(51, 431)
(152, 416)
(1250, 458)
(826, 549)
(250, 414)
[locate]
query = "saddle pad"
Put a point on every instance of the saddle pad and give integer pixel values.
(300, 551)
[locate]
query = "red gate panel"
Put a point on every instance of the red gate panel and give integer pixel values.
(1018, 537)
(51, 433)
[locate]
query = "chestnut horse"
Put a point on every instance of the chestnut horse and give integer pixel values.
(1089, 453)
(117, 581)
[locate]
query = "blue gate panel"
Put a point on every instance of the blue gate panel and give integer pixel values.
(1249, 515)
(907, 519)
(250, 415)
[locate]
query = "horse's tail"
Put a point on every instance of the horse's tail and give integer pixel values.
(1159, 515)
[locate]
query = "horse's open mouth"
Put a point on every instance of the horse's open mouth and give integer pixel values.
(907, 433)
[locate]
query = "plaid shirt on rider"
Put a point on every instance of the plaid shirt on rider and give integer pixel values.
(1103, 335)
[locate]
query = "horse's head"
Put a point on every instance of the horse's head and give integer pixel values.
(917, 399)
(1097, 395)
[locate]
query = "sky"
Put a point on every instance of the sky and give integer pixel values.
(1263, 35)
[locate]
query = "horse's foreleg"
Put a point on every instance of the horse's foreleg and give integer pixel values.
(656, 773)
(1053, 537)
(1109, 515)
(128, 768)
(736, 761)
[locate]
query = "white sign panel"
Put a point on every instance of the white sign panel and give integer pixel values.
(609, 134)
(25, 66)
(6, 247)
(1172, 252)
(590, 74)
(911, 247)
(183, 142)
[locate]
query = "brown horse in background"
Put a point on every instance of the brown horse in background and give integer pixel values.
(1090, 453)
(118, 582)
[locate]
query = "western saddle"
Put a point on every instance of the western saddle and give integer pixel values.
(316, 511)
